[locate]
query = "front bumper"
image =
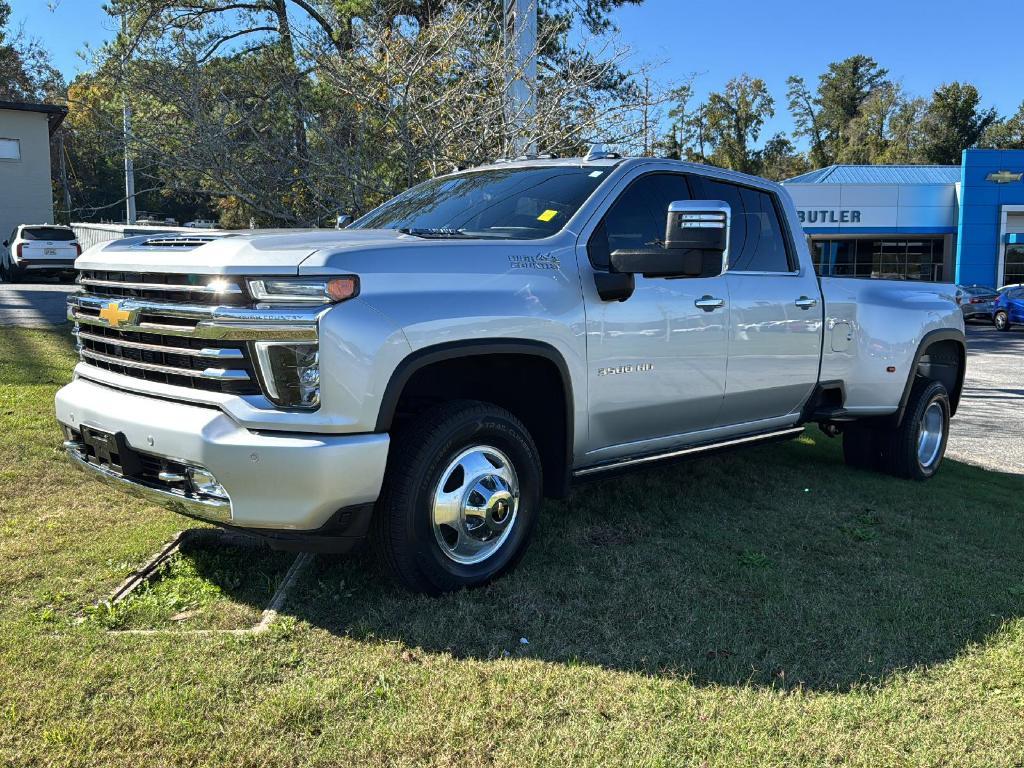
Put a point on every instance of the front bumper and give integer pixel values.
(277, 481)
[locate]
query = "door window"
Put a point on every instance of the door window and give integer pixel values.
(756, 240)
(712, 189)
(637, 219)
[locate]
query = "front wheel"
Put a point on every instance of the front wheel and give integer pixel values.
(461, 497)
(1001, 320)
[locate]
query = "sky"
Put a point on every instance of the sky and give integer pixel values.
(923, 44)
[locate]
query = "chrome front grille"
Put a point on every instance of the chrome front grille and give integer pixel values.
(212, 365)
(191, 331)
(196, 289)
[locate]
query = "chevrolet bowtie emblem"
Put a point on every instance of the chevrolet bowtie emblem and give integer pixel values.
(114, 315)
(1004, 177)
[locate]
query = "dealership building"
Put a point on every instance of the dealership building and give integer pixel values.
(957, 223)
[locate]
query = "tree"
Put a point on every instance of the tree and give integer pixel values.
(779, 159)
(26, 73)
(1006, 134)
(825, 116)
(734, 120)
(904, 144)
(953, 122)
(868, 134)
(288, 111)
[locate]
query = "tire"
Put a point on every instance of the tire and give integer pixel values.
(459, 451)
(915, 449)
(1001, 320)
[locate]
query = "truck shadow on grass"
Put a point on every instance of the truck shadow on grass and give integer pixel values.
(775, 567)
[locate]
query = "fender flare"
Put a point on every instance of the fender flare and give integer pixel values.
(940, 334)
(436, 353)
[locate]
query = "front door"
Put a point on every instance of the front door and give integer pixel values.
(657, 360)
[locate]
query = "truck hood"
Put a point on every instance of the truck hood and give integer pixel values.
(268, 252)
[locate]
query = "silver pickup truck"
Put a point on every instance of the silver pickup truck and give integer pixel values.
(427, 375)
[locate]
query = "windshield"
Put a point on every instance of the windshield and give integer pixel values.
(47, 233)
(512, 203)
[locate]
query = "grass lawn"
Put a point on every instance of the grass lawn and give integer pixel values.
(767, 607)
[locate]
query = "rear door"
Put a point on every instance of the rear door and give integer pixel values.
(42, 244)
(775, 318)
(656, 361)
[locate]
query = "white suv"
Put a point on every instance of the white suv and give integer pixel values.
(40, 248)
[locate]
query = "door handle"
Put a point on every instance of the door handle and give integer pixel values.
(709, 303)
(805, 302)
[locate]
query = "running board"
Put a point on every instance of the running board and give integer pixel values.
(781, 434)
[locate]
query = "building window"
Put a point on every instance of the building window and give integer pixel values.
(917, 259)
(10, 149)
(1013, 265)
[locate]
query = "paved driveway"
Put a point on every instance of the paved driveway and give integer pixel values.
(33, 305)
(988, 429)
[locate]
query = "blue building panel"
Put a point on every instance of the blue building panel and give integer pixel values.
(979, 214)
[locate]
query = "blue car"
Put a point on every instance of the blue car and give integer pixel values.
(1009, 307)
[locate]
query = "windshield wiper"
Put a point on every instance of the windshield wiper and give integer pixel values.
(438, 232)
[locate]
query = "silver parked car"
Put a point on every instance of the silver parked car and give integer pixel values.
(978, 301)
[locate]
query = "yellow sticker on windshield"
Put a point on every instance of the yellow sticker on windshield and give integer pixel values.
(548, 215)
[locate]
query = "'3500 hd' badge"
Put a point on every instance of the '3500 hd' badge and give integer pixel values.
(617, 369)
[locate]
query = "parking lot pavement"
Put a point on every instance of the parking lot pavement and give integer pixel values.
(988, 429)
(33, 305)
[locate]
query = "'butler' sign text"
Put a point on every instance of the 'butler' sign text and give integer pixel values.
(828, 215)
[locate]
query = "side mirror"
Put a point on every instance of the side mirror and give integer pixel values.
(696, 238)
(5, 243)
(342, 221)
(657, 262)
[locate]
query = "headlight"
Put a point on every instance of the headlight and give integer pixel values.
(291, 373)
(314, 290)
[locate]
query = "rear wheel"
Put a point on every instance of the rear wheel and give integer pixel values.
(916, 448)
(1001, 320)
(461, 497)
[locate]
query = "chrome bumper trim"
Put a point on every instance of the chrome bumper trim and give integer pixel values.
(206, 509)
(227, 288)
(211, 322)
(217, 374)
(211, 352)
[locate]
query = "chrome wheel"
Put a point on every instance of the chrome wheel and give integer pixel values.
(475, 504)
(1000, 320)
(929, 439)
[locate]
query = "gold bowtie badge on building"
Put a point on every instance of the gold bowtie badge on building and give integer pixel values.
(1004, 177)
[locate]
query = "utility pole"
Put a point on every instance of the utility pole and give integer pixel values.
(129, 167)
(64, 175)
(522, 86)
